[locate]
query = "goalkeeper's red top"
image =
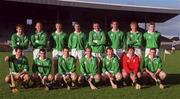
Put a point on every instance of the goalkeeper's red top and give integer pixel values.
(131, 64)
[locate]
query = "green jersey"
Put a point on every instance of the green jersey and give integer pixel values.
(134, 39)
(153, 65)
(66, 65)
(77, 41)
(20, 41)
(116, 39)
(111, 65)
(97, 41)
(58, 40)
(88, 66)
(42, 66)
(152, 40)
(39, 40)
(18, 65)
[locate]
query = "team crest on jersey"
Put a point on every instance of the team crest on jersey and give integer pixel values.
(128, 60)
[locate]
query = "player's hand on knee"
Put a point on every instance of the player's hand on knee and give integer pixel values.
(90, 78)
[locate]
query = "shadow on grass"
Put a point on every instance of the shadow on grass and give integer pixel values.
(173, 79)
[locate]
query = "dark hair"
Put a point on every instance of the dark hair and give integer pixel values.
(58, 22)
(109, 48)
(131, 47)
(18, 48)
(65, 48)
(114, 21)
(39, 23)
(20, 26)
(42, 50)
(153, 49)
(152, 23)
(95, 23)
(89, 48)
(133, 22)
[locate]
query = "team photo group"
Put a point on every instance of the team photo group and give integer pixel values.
(78, 59)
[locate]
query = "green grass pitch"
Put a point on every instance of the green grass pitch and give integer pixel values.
(171, 66)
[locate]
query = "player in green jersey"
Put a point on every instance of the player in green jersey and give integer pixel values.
(152, 39)
(19, 39)
(89, 69)
(117, 39)
(19, 67)
(111, 69)
(134, 38)
(97, 41)
(38, 40)
(42, 70)
(66, 69)
(153, 68)
(58, 41)
(77, 42)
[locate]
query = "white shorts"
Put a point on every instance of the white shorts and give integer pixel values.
(173, 48)
(24, 52)
(138, 52)
(98, 55)
(118, 52)
(56, 53)
(36, 53)
(77, 53)
(148, 50)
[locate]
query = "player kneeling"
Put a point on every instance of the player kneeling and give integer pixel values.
(153, 68)
(41, 70)
(131, 67)
(66, 69)
(111, 68)
(18, 68)
(89, 69)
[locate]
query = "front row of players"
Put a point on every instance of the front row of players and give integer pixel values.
(111, 70)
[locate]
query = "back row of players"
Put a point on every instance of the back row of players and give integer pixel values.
(94, 64)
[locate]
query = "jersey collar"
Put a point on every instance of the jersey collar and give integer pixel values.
(115, 31)
(97, 31)
(77, 32)
(58, 32)
(134, 32)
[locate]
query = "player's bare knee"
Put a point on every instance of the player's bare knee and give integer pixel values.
(124, 74)
(133, 77)
(81, 79)
(16, 77)
(57, 77)
(118, 76)
(162, 75)
(74, 76)
(26, 77)
(97, 78)
(7, 79)
(50, 77)
(139, 75)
